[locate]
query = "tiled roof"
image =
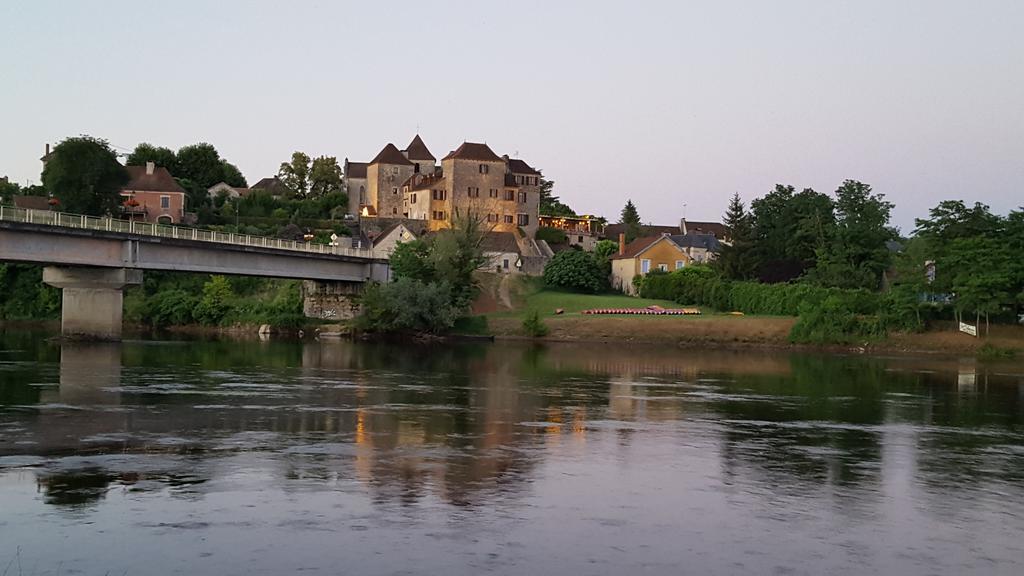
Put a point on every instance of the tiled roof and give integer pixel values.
(427, 181)
(390, 155)
(32, 202)
(417, 150)
(474, 151)
(159, 181)
(355, 169)
(499, 242)
(272, 185)
(634, 248)
(716, 228)
(612, 231)
(694, 240)
(517, 166)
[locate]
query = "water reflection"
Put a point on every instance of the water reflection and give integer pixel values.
(620, 441)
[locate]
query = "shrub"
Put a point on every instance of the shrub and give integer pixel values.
(408, 305)
(534, 326)
(577, 271)
(552, 235)
(216, 301)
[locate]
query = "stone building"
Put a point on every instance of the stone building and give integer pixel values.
(504, 192)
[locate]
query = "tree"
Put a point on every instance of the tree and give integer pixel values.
(8, 190)
(146, 152)
(735, 260)
(577, 271)
(232, 176)
(857, 253)
(200, 163)
(788, 229)
(434, 282)
(84, 175)
(631, 218)
(324, 177)
(295, 174)
(550, 205)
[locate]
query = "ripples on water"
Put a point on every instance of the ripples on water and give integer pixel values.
(269, 458)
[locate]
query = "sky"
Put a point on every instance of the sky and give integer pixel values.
(675, 105)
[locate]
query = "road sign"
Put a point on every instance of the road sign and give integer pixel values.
(968, 329)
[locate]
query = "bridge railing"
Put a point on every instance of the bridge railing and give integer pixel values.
(66, 220)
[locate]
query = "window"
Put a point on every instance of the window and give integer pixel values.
(508, 219)
(413, 199)
(484, 168)
(165, 202)
(492, 217)
(494, 192)
(663, 267)
(510, 194)
(523, 219)
(394, 190)
(680, 264)
(473, 192)
(438, 214)
(645, 266)
(522, 197)
(519, 179)
(394, 210)
(504, 263)
(416, 168)
(439, 194)
(394, 169)
(580, 240)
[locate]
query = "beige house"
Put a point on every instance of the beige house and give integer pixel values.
(226, 189)
(384, 244)
(642, 256)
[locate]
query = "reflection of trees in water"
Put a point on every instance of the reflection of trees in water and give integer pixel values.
(84, 486)
(818, 425)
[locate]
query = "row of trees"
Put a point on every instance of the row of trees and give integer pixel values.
(841, 242)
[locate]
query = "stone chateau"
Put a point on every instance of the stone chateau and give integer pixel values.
(472, 179)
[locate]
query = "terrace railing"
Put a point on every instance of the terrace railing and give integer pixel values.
(80, 221)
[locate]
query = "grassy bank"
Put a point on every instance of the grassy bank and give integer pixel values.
(510, 302)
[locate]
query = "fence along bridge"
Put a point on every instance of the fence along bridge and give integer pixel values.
(92, 259)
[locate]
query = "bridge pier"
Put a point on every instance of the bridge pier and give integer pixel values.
(331, 300)
(92, 301)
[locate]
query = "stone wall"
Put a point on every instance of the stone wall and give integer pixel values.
(331, 300)
(384, 188)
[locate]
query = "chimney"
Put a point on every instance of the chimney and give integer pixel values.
(150, 167)
(682, 225)
(47, 148)
(622, 243)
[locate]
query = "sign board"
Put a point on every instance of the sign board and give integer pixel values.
(968, 329)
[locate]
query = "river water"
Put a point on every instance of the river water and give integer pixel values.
(248, 457)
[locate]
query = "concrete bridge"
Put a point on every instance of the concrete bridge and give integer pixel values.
(92, 260)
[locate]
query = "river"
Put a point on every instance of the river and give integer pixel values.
(248, 457)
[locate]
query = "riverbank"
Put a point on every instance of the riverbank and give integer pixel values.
(505, 304)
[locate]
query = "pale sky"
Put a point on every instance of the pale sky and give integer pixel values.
(667, 103)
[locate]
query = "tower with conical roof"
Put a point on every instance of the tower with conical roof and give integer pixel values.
(385, 175)
(417, 153)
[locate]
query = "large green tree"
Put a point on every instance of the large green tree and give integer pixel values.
(324, 176)
(84, 175)
(146, 152)
(631, 218)
(789, 229)
(857, 253)
(295, 174)
(736, 258)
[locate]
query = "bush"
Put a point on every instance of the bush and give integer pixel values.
(552, 236)
(576, 271)
(408, 305)
(534, 326)
(216, 301)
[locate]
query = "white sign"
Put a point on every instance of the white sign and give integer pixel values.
(968, 329)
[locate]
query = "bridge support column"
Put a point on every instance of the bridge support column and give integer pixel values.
(331, 300)
(92, 302)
